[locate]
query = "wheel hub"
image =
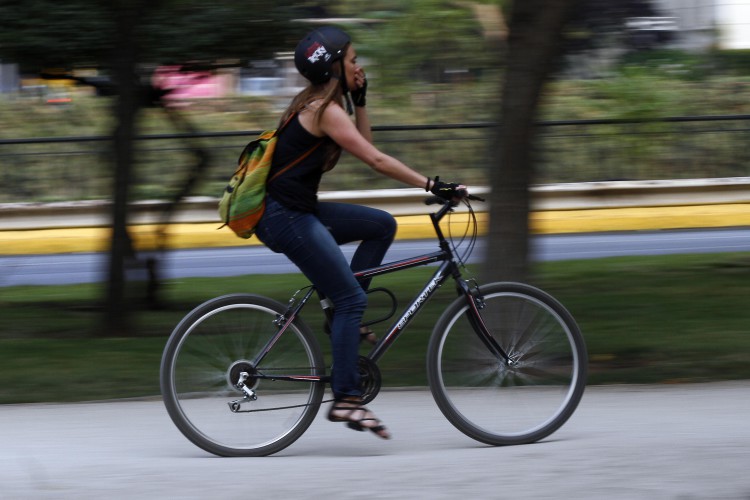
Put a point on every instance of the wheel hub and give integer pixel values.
(238, 367)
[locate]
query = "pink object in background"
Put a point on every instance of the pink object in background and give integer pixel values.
(189, 84)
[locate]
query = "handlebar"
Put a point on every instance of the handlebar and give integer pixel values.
(448, 205)
(462, 194)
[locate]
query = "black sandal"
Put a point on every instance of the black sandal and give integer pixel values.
(357, 423)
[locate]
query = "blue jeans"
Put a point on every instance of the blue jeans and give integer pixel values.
(311, 242)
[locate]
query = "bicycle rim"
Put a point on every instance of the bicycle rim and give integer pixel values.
(490, 400)
(201, 363)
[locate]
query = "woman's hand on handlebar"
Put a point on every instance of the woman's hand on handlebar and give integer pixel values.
(449, 191)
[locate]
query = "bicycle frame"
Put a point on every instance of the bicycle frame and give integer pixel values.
(448, 268)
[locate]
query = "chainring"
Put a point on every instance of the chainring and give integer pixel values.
(369, 379)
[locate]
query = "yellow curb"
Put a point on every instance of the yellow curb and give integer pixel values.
(640, 219)
(206, 235)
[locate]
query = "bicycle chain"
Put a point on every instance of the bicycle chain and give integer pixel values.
(284, 407)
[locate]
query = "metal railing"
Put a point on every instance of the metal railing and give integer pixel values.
(670, 148)
(77, 168)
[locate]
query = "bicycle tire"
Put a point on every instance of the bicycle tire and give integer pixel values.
(484, 397)
(203, 358)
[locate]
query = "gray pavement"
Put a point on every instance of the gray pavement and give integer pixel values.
(60, 269)
(624, 442)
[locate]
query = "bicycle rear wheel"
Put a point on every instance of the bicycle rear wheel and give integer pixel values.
(202, 362)
(500, 403)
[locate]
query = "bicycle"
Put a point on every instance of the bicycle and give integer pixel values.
(243, 375)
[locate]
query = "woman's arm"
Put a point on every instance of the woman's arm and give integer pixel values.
(363, 122)
(337, 125)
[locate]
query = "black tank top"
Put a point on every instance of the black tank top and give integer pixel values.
(297, 187)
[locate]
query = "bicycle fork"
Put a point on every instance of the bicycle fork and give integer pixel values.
(476, 303)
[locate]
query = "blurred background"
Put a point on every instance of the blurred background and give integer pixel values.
(148, 104)
(628, 69)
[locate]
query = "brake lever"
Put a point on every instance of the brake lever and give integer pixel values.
(464, 195)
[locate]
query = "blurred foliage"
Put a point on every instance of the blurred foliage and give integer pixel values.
(651, 85)
(733, 61)
(44, 34)
(427, 41)
(423, 40)
(567, 154)
(48, 34)
(195, 30)
(428, 63)
(691, 66)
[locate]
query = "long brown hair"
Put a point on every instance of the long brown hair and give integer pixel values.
(328, 94)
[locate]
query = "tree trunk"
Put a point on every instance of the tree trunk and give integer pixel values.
(533, 46)
(127, 15)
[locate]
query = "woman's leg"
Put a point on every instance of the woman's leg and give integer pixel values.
(310, 245)
(374, 228)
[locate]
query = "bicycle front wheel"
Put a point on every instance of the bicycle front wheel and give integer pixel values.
(206, 355)
(506, 403)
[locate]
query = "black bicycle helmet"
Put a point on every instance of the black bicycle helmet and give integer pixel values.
(316, 53)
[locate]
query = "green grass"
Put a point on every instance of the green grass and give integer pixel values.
(660, 319)
(646, 320)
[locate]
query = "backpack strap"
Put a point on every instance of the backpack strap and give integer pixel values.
(301, 157)
(295, 162)
(286, 122)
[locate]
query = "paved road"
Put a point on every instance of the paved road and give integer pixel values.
(88, 267)
(624, 442)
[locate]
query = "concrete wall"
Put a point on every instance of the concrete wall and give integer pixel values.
(403, 202)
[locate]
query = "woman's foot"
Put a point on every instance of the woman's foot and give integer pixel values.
(367, 335)
(357, 417)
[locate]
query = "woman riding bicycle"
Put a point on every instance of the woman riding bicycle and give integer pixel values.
(316, 129)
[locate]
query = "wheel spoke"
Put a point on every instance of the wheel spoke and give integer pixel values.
(520, 401)
(203, 362)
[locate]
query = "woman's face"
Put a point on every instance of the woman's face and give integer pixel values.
(355, 75)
